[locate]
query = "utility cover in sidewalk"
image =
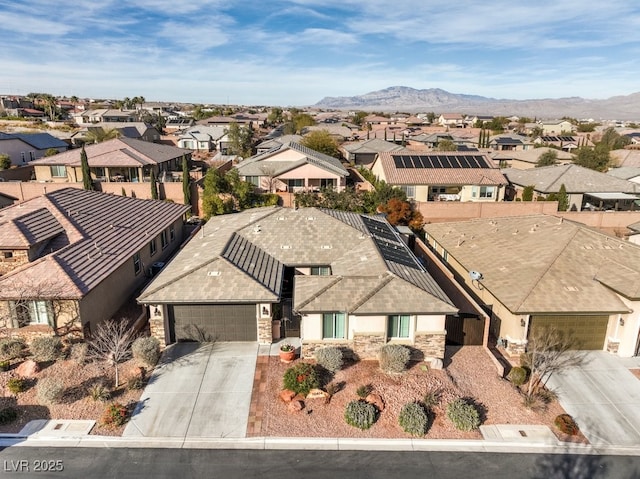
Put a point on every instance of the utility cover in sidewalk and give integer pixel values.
(57, 428)
(518, 434)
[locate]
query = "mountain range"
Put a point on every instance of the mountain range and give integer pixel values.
(411, 100)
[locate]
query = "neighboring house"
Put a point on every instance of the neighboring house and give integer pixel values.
(442, 176)
(629, 173)
(202, 138)
(634, 235)
(364, 152)
(472, 121)
(105, 115)
(430, 140)
(293, 168)
(538, 270)
(555, 127)
(525, 159)
(136, 130)
(564, 143)
(70, 259)
(454, 120)
(338, 132)
(276, 142)
(587, 189)
(510, 143)
(23, 148)
(121, 159)
(333, 278)
(625, 157)
(175, 124)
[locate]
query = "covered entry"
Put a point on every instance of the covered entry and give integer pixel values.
(208, 322)
(590, 331)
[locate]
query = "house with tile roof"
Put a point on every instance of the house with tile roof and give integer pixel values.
(455, 120)
(587, 189)
(292, 167)
(629, 173)
(276, 142)
(442, 176)
(71, 258)
(535, 271)
(525, 159)
(137, 130)
(23, 148)
(363, 153)
(332, 277)
(202, 138)
(120, 159)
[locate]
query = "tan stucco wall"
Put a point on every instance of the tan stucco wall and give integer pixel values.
(628, 333)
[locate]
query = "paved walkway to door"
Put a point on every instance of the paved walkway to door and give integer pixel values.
(604, 398)
(199, 390)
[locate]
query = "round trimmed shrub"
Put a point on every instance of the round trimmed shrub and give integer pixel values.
(115, 414)
(46, 348)
(413, 419)
(394, 358)
(8, 415)
(360, 414)
(330, 358)
(146, 350)
(16, 385)
(11, 349)
(49, 391)
(79, 353)
(301, 378)
(517, 376)
(566, 424)
(463, 415)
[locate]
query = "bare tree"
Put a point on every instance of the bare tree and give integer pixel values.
(269, 172)
(111, 343)
(550, 351)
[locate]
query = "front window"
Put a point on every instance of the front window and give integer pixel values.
(137, 264)
(327, 183)
(297, 183)
(254, 180)
(152, 247)
(163, 239)
(172, 232)
(27, 312)
(409, 190)
(58, 171)
(398, 326)
(333, 326)
(320, 271)
(487, 191)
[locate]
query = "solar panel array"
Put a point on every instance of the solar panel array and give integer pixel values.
(557, 138)
(440, 161)
(390, 246)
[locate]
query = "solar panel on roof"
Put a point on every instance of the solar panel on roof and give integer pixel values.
(440, 161)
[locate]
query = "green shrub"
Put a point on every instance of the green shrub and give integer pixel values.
(79, 353)
(46, 348)
(115, 414)
(134, 383)
(49, 391)
(11, 349)
(517, 376)
(99, 392)
(5, 365)
(566, 424)
(330, 358)
(394, 358)
(8, 415)
(463, 415)
(301, 378)
(16, 385)
(413, 419)
(360, 414)
(364, 390)
(432, 398)
(146, 350)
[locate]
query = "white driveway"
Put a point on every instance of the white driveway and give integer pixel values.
(604, 399)
(198, 390)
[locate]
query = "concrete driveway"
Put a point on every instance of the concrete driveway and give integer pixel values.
(198, 390)
(603, 397)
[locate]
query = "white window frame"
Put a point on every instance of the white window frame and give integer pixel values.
(58, 171)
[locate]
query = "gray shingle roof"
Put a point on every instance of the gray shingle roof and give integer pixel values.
(102, 232)
(255, 245)
(39, 141)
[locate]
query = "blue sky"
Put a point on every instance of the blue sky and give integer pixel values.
(272, 52)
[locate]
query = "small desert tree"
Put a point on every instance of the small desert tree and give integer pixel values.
(548, 158)
(549, 351)
(5, 161)
(111, 344)
(563, 198)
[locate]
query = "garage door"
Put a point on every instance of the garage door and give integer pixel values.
(589, 330)
(205, 322)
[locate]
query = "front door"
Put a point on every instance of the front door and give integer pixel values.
(290, 321)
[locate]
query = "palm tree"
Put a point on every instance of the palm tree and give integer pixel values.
(98, 134)
(141, 101)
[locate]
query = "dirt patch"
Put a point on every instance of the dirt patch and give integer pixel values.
(76, 402)
(469, 374)
(635, 372)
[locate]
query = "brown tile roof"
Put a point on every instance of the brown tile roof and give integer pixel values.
(29, 229)
(118, 152)
(439, 176)
(541, 264)
(101, 232)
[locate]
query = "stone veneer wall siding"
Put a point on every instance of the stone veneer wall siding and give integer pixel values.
(516, 348)
(156, 328)
(366, 346)
(265, 330)
(432, 345)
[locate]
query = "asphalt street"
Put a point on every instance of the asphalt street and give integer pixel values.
(103, 462)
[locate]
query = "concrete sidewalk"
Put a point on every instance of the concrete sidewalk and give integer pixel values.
(197, 391)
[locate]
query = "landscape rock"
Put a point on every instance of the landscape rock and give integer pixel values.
(376, 400)
(295, 406)
(28, 369)
(286, 395)
(436, 363)
(317, 394)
